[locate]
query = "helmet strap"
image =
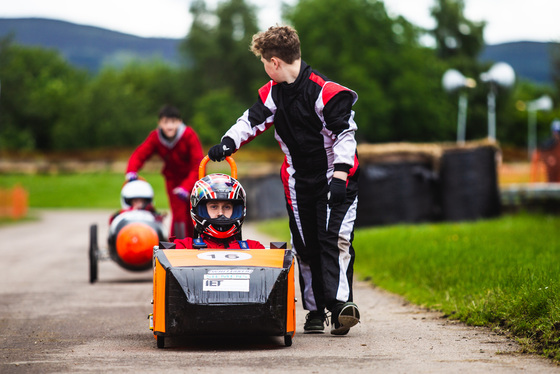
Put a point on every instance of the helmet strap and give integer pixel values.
(198, 243)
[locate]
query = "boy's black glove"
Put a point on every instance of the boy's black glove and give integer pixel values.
(337, 192)
(220, 151)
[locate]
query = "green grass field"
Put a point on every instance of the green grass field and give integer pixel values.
(80, 190)
(87, 190)
(501, 273)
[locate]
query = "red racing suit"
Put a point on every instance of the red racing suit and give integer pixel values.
(314, 125)
(187, 243)
(181, 159)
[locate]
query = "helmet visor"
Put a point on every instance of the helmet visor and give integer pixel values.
(237, 211)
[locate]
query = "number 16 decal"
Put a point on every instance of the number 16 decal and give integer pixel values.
(224, 256)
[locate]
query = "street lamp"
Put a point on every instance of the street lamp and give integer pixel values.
(500, 74)
(453, 81)
(542, 103)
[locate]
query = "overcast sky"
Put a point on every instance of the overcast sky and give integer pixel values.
(507, 20)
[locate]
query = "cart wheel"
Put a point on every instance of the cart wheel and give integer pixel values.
(93, 253)
(160, 341)
(288, 340)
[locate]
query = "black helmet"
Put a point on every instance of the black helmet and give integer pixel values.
(218, 187)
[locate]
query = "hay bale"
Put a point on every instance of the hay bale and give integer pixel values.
(400, 152)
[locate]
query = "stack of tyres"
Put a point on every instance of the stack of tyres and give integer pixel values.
(202, 292)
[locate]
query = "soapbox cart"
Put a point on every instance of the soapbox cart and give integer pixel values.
(201, 292)
(131, 240)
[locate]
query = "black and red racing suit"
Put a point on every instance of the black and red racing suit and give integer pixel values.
(314, 125)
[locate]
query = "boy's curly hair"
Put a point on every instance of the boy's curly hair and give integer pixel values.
(277, 41)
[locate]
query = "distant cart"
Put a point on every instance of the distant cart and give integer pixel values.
(131, 240)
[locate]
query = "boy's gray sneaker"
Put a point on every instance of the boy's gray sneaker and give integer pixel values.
(344, 316)
(314, 322)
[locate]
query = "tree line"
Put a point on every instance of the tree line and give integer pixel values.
(46, 104)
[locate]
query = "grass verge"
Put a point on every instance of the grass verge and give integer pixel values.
(88, 190)
(501, 273)
(97, 190)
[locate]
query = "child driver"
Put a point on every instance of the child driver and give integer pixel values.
(218, 209)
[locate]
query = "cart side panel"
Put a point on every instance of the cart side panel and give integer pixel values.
(160, 276)
(290, 303)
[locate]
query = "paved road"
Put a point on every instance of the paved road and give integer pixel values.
(54, 321)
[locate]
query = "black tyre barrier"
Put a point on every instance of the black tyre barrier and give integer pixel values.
(265, 197)
(459, 183)
(469, 184)
(396, 192)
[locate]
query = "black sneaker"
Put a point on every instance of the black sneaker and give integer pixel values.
(344, 316)
(314, 322)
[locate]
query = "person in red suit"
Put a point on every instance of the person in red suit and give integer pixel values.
(218, 209)
(180, 149)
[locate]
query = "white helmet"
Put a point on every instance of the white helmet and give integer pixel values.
(137, 189)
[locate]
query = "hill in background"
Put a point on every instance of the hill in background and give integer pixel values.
(87, 46)
(530, 60)
(91, 47)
